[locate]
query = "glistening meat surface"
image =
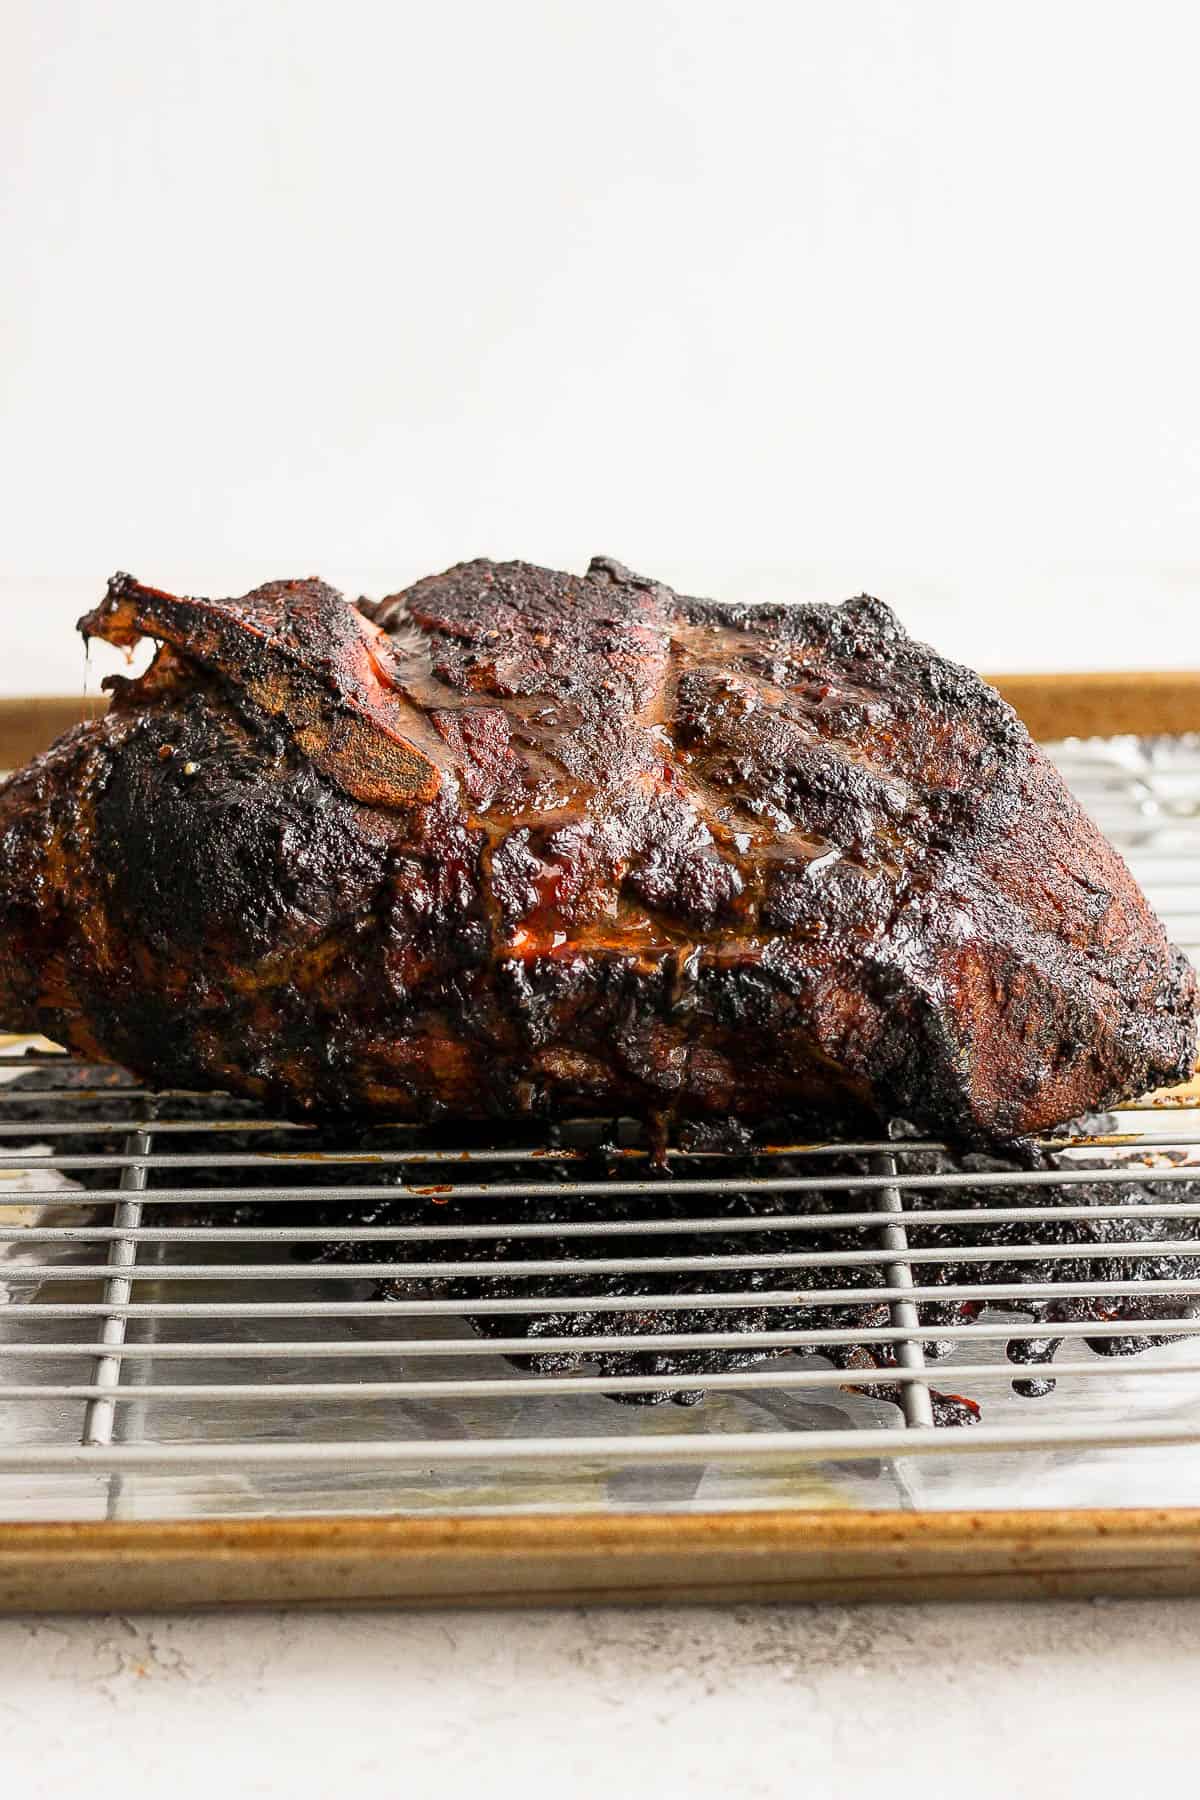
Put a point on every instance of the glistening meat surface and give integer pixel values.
(520, 842)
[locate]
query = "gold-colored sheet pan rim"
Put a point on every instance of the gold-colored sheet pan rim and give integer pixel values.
(561, 1559)
(629, 1559)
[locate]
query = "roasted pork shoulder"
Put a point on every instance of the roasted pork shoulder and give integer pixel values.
(520, 842)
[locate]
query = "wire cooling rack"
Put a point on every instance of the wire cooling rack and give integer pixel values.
(177, 1339)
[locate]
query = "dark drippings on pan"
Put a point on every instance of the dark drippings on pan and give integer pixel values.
(419, 1196)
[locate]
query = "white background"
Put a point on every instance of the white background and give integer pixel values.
(770, 300)
(777, 298)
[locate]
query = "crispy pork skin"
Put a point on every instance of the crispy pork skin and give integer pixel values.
(520, 842)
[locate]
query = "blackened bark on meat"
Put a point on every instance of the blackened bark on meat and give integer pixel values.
(519, 842)
(622, 1307)
(634, 1308)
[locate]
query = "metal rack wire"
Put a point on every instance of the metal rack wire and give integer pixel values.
(110, 1295)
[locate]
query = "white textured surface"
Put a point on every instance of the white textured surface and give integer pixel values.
(1072, 1700)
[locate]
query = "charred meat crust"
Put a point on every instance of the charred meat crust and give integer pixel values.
(517, 841)
(686, 1302)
